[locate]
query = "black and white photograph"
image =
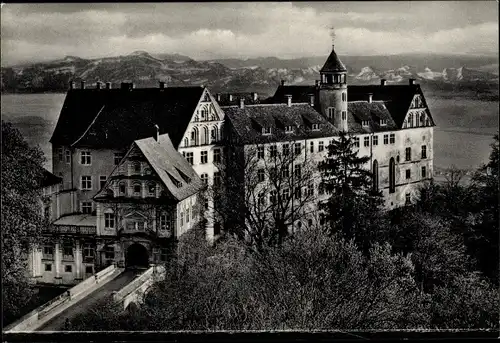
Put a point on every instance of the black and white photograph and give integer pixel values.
(250, 167)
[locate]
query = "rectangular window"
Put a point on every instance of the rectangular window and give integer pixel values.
(89, 270)
(311, 147)
(86, 207)
(189, 157)
(109, 220)
(298, 193)
(204, 157)
(344, 115)
(60, 153)
(386, 139)
(424, 152)
(331, 113)
(392, 138)
(68, 268)
(297, 171)
(365, 123)
(109, 252)
(310, 189)
(407, 199)
(164, 221)
(272, 197)
(366, 141)
(204, 178)
(182, 219)
(102, 181)
(383, 122)
(408, 174)
(68, 156)
(285, 172)
(321, 146)
(266, 130)
(163, 254)
(68, 249)
(260, 152)
(85, 158)
(86, 183)
(356, 142)
(261, 175)
(217, 180)
(286, 194)
(88, 251)
(117, 158)
(297, 148)
(289, 129)
(315, 127)
(48, 251)
(188, 213)
(48, 267)
(273, 151)
(217, 158)
(375, 140)
(286, 149)
(408, 154)
(424, 172)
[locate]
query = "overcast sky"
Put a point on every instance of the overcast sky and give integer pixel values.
(247, 29)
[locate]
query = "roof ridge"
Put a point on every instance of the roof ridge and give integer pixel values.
(88, 128)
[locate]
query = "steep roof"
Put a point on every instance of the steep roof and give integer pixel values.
(49, 179)
(397, 98)
(174, 172)
(170, 165)
(249, 121)
(299, 93)
(223, 99)
(360, 111)
(333, 63)
(114, 118)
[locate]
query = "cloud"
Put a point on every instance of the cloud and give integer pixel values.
(215, 30)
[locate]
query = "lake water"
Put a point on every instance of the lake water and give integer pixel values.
(462, 137)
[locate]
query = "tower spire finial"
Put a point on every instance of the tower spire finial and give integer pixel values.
(332, 35)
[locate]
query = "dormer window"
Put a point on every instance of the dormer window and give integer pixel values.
(266, 130)
(315, 127)
(289, 129)
(365, 123)
(383, 122)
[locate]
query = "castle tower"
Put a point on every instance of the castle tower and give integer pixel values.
(333, 91)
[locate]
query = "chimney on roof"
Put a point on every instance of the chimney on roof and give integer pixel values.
(108, 85)
(83, 84)
(242, 102)
(288, 100)
(162, 84)
(230, 97)
(254, 96)
(370, 98)
(412, 82)
(311, 99)
(157, 136)
(217, 96)
(282, 82)
(98, 85)
(72, 85)
(382, 82)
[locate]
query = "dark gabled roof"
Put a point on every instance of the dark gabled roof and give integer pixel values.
(397, 98)
(114, 118)
(168, 164)
(49, 179)
(360, 111)
(223, 99)
(244, 121)
(333, 63)
(300, 94)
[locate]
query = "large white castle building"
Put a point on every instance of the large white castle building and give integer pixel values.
(136, 163)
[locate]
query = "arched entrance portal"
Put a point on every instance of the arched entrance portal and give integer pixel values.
(137, 256)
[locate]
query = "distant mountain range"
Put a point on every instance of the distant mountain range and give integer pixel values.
(438, 73)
